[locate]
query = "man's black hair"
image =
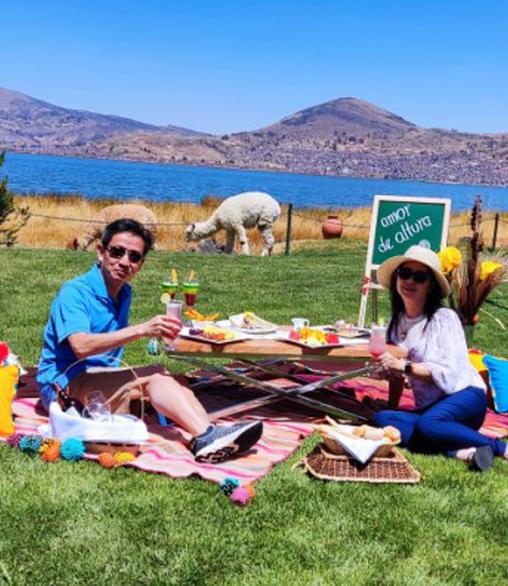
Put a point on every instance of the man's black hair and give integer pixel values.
(127, 225)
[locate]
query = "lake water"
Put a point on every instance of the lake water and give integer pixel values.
(123, 180)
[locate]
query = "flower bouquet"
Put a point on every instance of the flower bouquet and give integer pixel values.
(471, 278)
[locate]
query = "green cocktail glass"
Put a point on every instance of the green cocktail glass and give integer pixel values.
(190, 291)
(169, 289)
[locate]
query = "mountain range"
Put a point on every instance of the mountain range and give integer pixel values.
(344, 137)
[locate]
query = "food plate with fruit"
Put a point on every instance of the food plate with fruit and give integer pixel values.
(317, 337)
(212, 334)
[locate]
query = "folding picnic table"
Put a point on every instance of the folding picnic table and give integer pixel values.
(268, 356)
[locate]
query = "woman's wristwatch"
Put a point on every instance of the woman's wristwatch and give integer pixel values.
(407, 367)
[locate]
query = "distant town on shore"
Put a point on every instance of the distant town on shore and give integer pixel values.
(343, 137)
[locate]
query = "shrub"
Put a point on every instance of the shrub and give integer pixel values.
(12, 218)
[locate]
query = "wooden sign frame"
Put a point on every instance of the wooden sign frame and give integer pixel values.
(369, 280)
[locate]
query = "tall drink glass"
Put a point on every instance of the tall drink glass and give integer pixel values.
(174, 309)
(190, 291)
(377, 342)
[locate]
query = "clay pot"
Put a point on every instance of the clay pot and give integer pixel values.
(332, 227)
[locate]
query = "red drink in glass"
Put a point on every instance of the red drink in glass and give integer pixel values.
(190, 291)
(377, 342)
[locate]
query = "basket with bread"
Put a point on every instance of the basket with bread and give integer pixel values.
(341, 439)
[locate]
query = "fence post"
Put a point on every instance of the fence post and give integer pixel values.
(288, 229)
(494, 234)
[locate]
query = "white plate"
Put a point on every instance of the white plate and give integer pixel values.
(185, 333)
(237, 319)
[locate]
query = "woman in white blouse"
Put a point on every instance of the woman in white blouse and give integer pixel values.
(450, 395)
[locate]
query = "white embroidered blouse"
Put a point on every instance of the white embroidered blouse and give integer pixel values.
(441, 347)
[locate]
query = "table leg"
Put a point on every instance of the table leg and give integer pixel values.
(276, 394)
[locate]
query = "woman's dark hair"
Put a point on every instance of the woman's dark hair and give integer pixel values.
(127, 225)
(432, 302)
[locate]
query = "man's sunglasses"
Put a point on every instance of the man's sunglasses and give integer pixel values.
(406, 273)
(119, 252)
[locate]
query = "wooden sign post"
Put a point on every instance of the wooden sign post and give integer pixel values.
(397, 223)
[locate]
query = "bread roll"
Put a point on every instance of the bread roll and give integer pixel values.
(392, 433)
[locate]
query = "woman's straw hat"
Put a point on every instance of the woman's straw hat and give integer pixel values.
(418, 254)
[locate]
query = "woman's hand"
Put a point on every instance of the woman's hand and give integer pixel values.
(390, 364)
(161, 326)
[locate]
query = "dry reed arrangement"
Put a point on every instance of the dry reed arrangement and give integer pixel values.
(56, 220)
(471, 277)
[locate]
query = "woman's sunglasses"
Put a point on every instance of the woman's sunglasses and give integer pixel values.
(406, 273)
(119, 252)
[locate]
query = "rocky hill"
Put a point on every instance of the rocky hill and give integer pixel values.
(30, 124)
(345, 137)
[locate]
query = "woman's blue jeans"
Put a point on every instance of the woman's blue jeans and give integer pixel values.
(445, 426)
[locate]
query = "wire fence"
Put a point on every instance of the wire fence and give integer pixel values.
(314, 217)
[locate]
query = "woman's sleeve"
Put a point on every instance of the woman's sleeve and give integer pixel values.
(444, 345)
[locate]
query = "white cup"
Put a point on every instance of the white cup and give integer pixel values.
(299, 323)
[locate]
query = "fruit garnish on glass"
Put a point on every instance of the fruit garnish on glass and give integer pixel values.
(169, 287)
(191, 288)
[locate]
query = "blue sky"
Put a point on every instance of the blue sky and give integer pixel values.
(226, 66)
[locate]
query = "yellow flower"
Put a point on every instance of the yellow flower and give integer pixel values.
(488, 267)
(450, 258)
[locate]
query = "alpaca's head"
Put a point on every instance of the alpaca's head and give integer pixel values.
(190, 233)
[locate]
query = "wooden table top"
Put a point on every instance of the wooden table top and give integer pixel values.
(265, 347)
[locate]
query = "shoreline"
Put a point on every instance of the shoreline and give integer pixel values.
(256, 169)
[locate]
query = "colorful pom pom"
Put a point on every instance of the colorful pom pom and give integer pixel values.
(72, 449)
(123, 457)
(250, 489)
(13, 440)
(52, 452)
(240, 496)
(229, 484)
(48, 443)
(107, 460)
(30, 444)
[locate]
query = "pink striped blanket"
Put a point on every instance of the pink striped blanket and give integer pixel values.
(285, 426)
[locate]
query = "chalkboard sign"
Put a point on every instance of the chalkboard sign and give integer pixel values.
(397, 223)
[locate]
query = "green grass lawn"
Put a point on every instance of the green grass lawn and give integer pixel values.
(78, 523)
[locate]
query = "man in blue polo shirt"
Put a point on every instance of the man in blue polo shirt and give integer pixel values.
(85, 335)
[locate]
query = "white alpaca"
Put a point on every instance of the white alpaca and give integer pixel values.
(237, 213)
(109, 214)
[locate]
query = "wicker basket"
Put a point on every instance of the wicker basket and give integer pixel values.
(111, 448)
(325, 466)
